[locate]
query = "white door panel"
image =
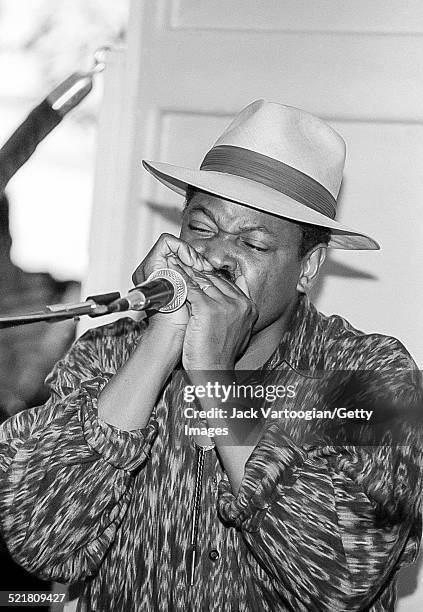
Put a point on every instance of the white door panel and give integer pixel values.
(299, 15)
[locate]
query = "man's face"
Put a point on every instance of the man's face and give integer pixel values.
(244, 242)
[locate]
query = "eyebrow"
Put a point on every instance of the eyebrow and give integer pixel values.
(199, 208)
(256, 228)
(244, 228)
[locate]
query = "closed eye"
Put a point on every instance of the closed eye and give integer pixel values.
(206, 230)
(196, 228)
(255, 247)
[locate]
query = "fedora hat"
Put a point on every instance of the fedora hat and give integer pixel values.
(277, 159)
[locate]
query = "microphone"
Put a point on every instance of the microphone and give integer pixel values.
(164, 290)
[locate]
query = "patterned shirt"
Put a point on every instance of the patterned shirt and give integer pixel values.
(314, 526)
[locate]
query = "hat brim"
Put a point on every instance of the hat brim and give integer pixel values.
(260, 197)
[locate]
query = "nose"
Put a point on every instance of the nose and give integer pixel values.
(220, 253)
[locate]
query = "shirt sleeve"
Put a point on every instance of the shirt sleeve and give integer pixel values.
(327, 527)
(67, 476)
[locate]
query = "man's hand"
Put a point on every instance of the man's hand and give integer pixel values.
(221, 320)
(168, 251)
(215, 324)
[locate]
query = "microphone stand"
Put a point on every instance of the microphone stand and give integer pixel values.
(94, 306)
(45, 117)
(19, 148)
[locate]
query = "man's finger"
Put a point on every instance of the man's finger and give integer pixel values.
(225, 286)
(241, 283)
(210, 284)
(168, 245)
(194, 284)
(184, 251)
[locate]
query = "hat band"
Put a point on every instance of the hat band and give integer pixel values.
(272, 173)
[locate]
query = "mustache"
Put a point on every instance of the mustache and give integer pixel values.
(225, 274)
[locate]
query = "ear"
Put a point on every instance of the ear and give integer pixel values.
(310, 267)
